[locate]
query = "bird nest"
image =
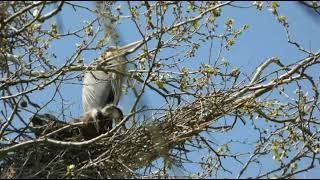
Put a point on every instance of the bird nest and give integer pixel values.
(63, 150)
(80, 150)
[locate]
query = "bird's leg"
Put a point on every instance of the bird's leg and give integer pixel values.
(96, 117)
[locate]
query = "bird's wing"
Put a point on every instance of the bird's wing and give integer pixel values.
(97, 90)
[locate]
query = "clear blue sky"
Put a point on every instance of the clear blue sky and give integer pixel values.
(265, 38)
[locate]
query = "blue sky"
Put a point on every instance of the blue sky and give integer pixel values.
(264, 39)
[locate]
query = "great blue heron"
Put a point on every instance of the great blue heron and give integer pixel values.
(100, 88)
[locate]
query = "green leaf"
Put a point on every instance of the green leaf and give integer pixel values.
(229, 24)
(70, 170)
(54, 31)
(196, 24)
(142, 63)
(259, 4)
(185, 70)
(216, 12)
(89, 30)
(184, 84)
(225, 62)
(275, 5)
(230, 43)
(211, 70)
(283, 20)
(235, 72)
(160, 84)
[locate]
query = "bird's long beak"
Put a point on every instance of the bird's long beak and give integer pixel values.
(130, 47)
(124, 50)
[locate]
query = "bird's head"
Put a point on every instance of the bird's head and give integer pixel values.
(112, 111)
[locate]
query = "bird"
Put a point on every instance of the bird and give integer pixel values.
(102, 88)
(98, 122)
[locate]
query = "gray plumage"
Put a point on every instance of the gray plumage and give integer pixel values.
(101, 88)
